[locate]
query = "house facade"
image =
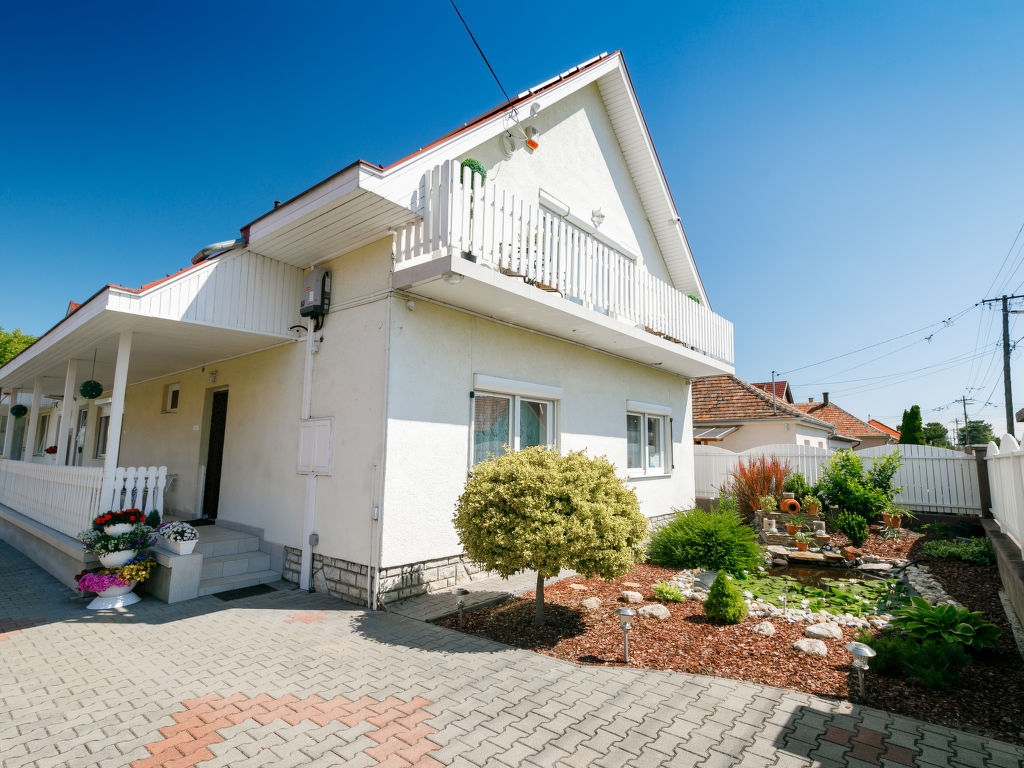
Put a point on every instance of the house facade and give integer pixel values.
(551, 299)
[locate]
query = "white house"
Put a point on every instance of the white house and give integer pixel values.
(554, 302)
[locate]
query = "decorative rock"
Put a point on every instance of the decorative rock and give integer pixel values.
(580, 587)
(811, 647)
(632, 597)
(851, 553)
(655, 611)
(591, 604)
(764, 628)
(780, 561)
(828, 629)
(876, 566)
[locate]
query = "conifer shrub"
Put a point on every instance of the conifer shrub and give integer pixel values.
(725, 603)
(854, 527)
(718, 540)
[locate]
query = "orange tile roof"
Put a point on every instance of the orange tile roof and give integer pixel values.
(725, 398)
(884, 427)
(845, 422)
(782, 390)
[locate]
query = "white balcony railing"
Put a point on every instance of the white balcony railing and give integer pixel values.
(526, 241)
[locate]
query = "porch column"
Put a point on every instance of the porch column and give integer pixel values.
(33, 419)
(9, 434)
(67, 412)
(124, 350)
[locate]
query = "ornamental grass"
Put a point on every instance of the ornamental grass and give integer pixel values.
(757, 477)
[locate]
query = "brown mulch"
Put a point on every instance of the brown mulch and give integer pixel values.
(989, 700)
(906, 547)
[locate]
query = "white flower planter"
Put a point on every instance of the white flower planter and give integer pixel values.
(117, 559)
(180, 547)
(114, 597)
(117, 529)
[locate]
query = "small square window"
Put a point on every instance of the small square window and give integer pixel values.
(171, 395)
(647, 441)
(518, 422)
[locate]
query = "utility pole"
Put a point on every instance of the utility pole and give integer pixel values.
(1008, 397)
(956, 435)
(967, 424)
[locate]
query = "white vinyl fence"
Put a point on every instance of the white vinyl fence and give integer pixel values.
(933, 479)
(1006, 480)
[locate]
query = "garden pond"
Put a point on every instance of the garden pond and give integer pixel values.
(836, 590)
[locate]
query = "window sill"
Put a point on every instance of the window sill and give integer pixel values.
(649, 477)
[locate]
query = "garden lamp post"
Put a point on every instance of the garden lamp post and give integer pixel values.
(861, 654)
(624, 615)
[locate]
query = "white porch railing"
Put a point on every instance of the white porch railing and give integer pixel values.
(68, 498)
(63, 498)
(1006, 483)
(524, 240)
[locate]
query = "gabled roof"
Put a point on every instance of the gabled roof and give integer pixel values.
(724, 399)
(884, 428)
(844, 421)
(782, 390)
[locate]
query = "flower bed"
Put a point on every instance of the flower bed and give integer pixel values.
(688, 642)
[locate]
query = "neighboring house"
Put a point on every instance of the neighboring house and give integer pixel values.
(556, 303)
(730, 413)
(846, 423)
(894, 433)
(780, 389)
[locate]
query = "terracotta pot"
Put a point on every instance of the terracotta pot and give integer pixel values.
(812, 509)
(801, 546)
(789, 506)
(792, 530)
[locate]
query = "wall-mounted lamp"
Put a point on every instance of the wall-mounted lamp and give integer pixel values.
(213, 377)
(597, 216)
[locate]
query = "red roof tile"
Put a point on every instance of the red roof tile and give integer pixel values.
(782, 390)
(725, 398)
(844, 422)
(884, 427)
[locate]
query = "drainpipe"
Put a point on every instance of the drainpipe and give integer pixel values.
(223, 245)
(309, 509)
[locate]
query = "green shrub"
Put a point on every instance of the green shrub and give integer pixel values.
(933, 664)
(854, 527)
(797, 484)
(536, 509)
(949, 623)
(977, 551)
(668, 592)
(845, 484)
(768, 503)
(718, 541)
(725, 601)
(153, 519)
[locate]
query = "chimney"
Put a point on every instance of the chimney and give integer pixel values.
(810, 399)
(824, 397)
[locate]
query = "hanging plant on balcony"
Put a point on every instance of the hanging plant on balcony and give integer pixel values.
(90, 389)
(18, 410)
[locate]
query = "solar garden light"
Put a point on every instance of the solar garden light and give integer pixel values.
(624, 614)
(861, 654)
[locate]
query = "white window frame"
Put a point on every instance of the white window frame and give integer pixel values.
(514, 441)
(663, 415)
(168, 395)
(102, 412)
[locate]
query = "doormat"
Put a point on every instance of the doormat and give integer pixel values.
(238, 594)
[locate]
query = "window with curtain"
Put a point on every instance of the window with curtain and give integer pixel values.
(646, 436)
(509, 420)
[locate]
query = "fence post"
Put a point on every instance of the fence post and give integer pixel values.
(984, 489)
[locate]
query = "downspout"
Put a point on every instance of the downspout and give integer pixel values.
(309, 508)
(223, 245)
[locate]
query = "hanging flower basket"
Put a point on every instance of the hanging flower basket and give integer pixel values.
(18, 410)
(90, 389)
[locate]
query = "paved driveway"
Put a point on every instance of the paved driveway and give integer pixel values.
(293, 679)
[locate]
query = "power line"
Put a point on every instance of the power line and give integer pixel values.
(484, 57)
(1007, 256)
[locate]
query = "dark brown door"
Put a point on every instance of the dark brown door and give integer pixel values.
(215, 453)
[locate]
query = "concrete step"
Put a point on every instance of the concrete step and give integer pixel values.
(227, 583)
(215, 541)
(234, 565)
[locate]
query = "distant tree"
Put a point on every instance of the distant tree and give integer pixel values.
(936, 434)
(980, 433)
(12, 342)
(911, 431)
(536, 509)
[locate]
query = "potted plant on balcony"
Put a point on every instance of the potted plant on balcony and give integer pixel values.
(179, 537)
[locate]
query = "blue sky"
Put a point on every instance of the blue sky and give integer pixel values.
(846, 172)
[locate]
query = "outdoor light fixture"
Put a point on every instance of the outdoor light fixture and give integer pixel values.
(452, 278)
(597, 217)
(624, 614)
(861, 654)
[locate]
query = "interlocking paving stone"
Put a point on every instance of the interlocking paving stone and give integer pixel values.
(290, 678)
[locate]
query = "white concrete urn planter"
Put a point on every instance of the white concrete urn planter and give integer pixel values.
(181, 547)
(117, 559)
(117, 529)
(114, 597)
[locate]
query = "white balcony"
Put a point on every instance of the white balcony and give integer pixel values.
(507, 247)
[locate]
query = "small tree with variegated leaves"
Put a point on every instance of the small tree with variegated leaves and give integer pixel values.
(539, 510)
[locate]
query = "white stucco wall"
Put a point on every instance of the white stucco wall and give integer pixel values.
(580, 163)
(769, 432)
(435, 352)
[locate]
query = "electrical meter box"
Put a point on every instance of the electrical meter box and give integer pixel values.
(316, 293)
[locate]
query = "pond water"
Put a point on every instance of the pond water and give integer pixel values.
(816, 577)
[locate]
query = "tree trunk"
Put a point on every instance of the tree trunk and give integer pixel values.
(538, 620)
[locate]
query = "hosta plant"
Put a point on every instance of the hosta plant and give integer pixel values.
(952, 623)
